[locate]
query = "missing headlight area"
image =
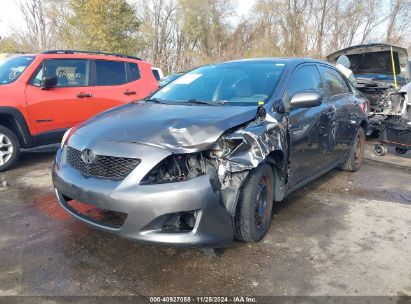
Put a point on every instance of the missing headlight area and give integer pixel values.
(238, 150)
(176, 168)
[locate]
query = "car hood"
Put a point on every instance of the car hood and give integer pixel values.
(179, 128)
(375, 58)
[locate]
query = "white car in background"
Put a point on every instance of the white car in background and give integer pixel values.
(158, 73)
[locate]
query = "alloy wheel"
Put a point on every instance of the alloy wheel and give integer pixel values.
(6, 149)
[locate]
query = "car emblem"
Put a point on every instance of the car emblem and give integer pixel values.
(88, 156)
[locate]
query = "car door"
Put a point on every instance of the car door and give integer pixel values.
(308, 127)
(114, 83)
(64, 105)
(339, 97)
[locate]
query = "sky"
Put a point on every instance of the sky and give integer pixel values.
(10, 16)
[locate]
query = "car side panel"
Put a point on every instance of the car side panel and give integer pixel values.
(309, 141)
(106, 97)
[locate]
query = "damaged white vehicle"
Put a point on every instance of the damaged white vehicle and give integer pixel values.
(202, 161)
(382, 73)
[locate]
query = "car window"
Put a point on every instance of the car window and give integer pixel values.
(11, 69)
(156, 74)
(69, 72)
(240, 83)
(304, 78)
(110, 72)
(334, 83)
(134, 72)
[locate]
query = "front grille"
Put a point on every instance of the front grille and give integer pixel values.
(103, 166)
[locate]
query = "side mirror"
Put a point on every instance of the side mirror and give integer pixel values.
(49, 82)
(306, 99)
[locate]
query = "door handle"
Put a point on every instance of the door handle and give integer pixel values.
(129, 92)
(84, 95)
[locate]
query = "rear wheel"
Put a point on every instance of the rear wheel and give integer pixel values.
(9, 148)
(380, 150)
(253, 213)
(356, 152)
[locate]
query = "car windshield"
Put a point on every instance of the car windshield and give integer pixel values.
(11, 69)
(233, 83)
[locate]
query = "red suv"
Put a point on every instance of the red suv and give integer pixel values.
(43, 95)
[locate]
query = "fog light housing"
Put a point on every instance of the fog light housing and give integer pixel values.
(181, 222)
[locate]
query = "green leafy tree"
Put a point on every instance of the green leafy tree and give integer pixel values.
(103, 25)
(9, 45)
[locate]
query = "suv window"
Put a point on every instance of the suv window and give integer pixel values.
(69, 72)
(305, 78)
(12, 68)
(134, 72)
(110, 72)
(334, 83)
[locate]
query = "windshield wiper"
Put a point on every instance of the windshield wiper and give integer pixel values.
(211, 103)
(156, 100)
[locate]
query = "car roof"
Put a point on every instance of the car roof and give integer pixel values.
(286, 60)
(82, 55)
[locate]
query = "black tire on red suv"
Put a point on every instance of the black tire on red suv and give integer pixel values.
(9, 148)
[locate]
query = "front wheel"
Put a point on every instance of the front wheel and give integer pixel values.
(253, 214)
(356, 152)
(9, 148)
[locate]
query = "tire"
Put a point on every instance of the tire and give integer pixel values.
(400, 150)
(9, 149)
(380, 150)
(253, 213)
(356, 152)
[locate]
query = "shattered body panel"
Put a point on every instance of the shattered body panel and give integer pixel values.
(179, 128)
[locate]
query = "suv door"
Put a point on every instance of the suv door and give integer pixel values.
(309, 128)
(115, 83)
(339, 97)
(62, 106)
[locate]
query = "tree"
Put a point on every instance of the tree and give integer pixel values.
(9, 45)
(40, 25)
(102, 25)
(398, 21)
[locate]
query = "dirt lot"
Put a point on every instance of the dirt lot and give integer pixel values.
(344, 234)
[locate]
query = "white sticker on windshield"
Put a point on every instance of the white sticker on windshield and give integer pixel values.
(187, 79)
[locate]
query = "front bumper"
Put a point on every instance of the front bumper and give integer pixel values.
(146, 206)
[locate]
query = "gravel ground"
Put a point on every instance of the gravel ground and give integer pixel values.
(343, 234)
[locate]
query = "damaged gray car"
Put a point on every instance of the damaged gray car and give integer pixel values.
(382, 74)
(202, 161)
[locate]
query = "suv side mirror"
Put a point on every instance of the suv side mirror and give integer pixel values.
(306, 99)
(49, 82)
